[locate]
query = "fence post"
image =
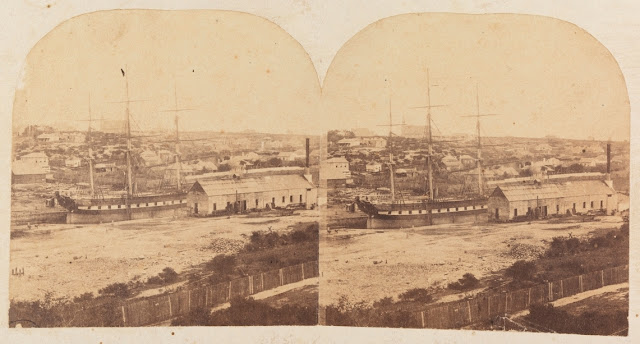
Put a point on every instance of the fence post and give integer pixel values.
(281, 277)
(262, 281)
(250, 285)
(580, 283)
(561, 289)
(469, 309)
(302, 267)
(169, 298)
(422, 317)
(229, 296)
(189, 300)
(506, 302)
(489, 306)
(529, 298)
(602, 277)
(206, 296)
(550, 291)
(124, 319)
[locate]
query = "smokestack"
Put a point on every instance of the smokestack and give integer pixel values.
(307, 147)
(307, 171)
(608, 158)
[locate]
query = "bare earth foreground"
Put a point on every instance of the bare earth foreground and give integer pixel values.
(68, 260)
(367, 265)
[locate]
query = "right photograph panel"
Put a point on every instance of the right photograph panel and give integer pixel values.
(477, 177)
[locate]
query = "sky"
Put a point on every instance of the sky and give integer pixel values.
(542, 76)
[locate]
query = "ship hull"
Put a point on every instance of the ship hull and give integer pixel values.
(124, 209)
(397, 216)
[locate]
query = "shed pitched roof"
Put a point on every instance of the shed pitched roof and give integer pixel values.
(255, 184)
(554, 190)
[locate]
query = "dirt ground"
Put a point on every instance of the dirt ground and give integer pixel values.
(367, 265)
(68, 260)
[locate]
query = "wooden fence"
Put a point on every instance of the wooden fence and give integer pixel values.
(485, 307)
(155, 309)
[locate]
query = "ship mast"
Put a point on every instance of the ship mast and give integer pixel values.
(91, 182)
(430, 157)
(128, 121)
(479, 161)
(178, 164)
(176, 110)
(391, 174)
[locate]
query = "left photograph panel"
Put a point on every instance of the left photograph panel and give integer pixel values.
(165, 172)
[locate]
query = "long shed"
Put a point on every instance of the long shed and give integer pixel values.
(541, 200)
(243, 194)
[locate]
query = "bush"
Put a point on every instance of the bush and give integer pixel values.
(116, 289)
(417, 295)
(521, 271)
(383, 302)
(467, 282)
(168, 275)
(83, 297)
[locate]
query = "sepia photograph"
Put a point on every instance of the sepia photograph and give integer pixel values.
(311, 171)
(147, 186)
(480, 180)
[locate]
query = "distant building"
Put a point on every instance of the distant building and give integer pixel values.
(49, 137)
(542, 200)
(36, 158)
(349, 143)
(467, 160)
(374, 167)
(243, 194)
(451, 162)
(336, 172)
(23, 172)
(105, 167)
(73, 162)
(543, 148)
(374, 141)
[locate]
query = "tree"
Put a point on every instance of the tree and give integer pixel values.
(224, 168)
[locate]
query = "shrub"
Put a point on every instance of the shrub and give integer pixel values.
(417, 295)
(521, 271)
(116, 289)
(83, 297)
(168, 275)
(383, 302)
(467, 282)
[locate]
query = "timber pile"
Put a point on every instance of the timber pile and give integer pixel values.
(226, 246)
(525, 252)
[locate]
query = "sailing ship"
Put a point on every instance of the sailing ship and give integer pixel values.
(406, 212)
(98, 207)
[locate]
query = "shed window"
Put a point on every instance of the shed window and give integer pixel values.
(300, 198)
(591, 204)
(410, 212)
(215, 207)
(282, 199)
(119, 206)
(584, 204)
(400, 212)
(89, 207)
(574, 206)
(99, 207)
(601, 204)
(138, 205)
(291, 199)
(108, 207)
(256, 203)
(557, 208)
(389, 213)
(515, 212)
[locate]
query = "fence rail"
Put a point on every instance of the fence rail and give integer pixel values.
(486, 307)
